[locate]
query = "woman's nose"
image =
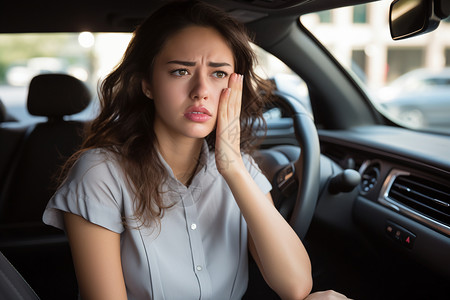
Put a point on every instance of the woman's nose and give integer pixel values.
(199, 89)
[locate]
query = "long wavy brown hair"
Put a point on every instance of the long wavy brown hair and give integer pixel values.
(124, 125)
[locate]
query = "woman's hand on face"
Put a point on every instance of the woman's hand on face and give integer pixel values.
(228, 152)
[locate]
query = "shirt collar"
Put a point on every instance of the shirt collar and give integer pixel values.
(202, 167)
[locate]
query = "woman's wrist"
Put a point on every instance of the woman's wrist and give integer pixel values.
(232, 168)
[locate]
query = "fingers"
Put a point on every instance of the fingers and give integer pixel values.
(235, 84)
(223, 105)
(231, 98)
(235, 81)
(228, 125)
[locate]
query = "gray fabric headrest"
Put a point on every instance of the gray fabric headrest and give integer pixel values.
(57, 95)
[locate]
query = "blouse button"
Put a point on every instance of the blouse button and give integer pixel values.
(199, 268)
(193, 226)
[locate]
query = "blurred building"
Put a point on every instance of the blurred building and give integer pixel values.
(368, 46)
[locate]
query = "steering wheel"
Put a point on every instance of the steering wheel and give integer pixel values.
(303, 175)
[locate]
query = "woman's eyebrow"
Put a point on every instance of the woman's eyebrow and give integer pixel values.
(219, 64)
(183, 63)
(192, 64)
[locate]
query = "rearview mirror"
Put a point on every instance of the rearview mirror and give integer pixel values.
(409, 18)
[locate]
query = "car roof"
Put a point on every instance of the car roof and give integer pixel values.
(123, 16)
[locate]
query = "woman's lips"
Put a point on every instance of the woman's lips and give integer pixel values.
(197, 114)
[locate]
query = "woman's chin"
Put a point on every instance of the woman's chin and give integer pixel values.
(200, 132)
(198, 135)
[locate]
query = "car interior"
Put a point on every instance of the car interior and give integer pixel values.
(368, 195)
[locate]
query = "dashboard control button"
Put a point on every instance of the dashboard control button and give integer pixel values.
(400, 234)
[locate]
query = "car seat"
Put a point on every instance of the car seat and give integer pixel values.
(29, 185)
(45, 147)
(12, 284)
(9, 140)
(3, 114)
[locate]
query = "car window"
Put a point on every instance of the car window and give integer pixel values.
(89, 57)
(86, 56)
(284, 79)
(408, 80)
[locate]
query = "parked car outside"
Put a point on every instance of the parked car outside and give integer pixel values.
(419, 98)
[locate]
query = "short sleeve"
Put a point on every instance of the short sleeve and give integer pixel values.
(92, 190)
(257, 175)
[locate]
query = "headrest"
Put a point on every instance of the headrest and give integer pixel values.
(57, 95)
(2, 112)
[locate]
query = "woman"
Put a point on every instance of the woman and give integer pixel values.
(163, 198)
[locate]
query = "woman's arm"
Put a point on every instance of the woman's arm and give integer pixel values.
(275, 246)
(96, 257)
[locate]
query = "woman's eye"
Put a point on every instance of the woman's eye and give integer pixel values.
(180, 72)
(220, 74)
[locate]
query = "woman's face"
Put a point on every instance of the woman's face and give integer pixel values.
(189, 75)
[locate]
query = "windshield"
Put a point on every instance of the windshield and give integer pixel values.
(408, 80)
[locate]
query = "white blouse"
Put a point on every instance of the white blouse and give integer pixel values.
(200, 249)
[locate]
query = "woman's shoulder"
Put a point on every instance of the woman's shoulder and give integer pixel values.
(92, 189)
(95, 174)
(97, 155)
(94, 164)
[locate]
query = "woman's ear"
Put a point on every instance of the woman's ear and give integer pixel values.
(146, 89)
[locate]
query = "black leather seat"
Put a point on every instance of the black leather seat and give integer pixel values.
(24, 239)
(45, 147)
(9, 140)
(3, 114)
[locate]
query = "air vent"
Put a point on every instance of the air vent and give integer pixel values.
(369, 177)
(424, 200)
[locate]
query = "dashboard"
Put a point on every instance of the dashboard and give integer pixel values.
(403, 199)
